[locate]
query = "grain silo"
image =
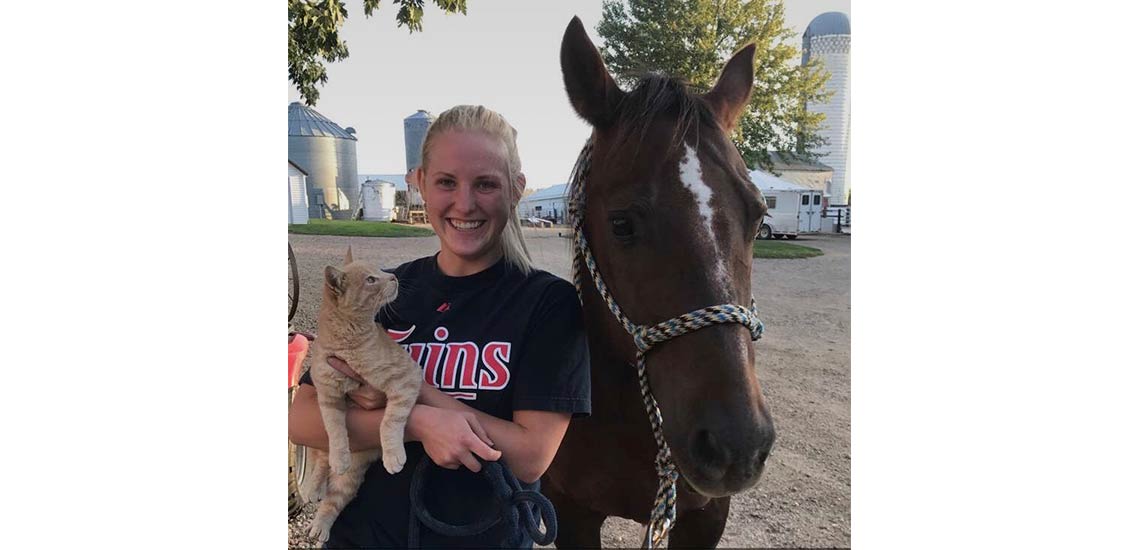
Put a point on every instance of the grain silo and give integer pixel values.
(415, 129)
(327, 153)
(828, 38)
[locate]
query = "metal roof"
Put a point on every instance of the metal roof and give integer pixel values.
(784, 161)
(306, 121)
(552, 192)
(394, 179)
(767, 182)
(832, 22)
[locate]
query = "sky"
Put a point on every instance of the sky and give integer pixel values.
(503, 54)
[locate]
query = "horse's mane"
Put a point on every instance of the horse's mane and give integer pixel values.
(656, 95)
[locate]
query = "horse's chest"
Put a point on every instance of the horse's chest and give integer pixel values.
(610, 469)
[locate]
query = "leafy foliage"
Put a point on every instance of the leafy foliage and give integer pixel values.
(314, 38)
(693, 39)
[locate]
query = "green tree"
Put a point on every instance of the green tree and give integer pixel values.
(314, 38)
(693, 39)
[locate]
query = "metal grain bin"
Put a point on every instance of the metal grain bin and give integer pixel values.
(415, 128)
(327, 153)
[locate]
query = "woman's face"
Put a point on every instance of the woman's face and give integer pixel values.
(465, 189)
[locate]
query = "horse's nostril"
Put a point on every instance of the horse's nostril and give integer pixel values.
(709, 450)
(758, 461)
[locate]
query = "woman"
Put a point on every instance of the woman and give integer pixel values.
(501, 343)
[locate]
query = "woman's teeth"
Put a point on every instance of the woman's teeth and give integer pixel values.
(466, 226)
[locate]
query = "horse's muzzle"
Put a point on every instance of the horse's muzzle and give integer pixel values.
(726, 461)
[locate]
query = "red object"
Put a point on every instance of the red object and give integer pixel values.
(443, 307)
(298, 349)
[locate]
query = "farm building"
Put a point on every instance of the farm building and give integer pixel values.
(327, 153)
(548, 204)
(391, 183)
(810, 174)
(378, 198)
(394, 179)
(298, 197)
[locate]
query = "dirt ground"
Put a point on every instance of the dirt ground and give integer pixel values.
(803, 499)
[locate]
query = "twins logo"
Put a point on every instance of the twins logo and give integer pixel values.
(457, 366)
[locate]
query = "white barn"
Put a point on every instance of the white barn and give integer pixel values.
(548, 204)
(298, 198)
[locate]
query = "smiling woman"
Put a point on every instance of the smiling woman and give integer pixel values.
(502, 348)
(471, 181)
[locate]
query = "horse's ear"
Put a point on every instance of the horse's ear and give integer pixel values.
(592, 90)
(730, 94)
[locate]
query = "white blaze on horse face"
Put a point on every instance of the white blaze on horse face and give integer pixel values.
(690, 168)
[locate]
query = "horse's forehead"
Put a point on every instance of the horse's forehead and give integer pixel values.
(705, 212)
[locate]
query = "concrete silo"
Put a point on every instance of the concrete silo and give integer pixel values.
(828, 38)
(415, 129)
(327, 153)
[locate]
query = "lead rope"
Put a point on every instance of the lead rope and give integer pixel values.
(664, 512)
(520, 508)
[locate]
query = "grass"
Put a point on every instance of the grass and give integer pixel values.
(782, 251)
(360, 228)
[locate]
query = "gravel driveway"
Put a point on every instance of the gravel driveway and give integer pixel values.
(804, 360)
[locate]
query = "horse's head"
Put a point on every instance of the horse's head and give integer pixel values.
(670, 216)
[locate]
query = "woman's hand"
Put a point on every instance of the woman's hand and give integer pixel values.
(365, 397)
(451, 438)
(368, 398)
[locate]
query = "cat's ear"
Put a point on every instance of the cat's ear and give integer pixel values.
(334, 278)
(348, 256)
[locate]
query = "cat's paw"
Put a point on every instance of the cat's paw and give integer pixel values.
(314, 488)
(319, 530)
(394, 459)
(339, 462)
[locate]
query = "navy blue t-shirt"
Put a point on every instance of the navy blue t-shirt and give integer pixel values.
(498, 341)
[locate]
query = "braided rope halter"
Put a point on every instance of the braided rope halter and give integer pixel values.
(664, 511)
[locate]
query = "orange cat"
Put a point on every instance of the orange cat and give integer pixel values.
(346, 328)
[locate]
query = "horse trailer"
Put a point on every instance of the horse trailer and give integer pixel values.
(792, 208)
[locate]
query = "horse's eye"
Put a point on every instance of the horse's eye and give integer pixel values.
(622, 227)
(371, 280)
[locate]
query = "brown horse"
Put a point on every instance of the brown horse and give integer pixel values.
(670, 216)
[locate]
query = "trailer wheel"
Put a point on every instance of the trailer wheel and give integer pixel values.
(765, 232)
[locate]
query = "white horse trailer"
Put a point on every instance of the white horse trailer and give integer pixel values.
(792, 208)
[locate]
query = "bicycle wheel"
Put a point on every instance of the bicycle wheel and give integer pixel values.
(296, 472)
(294, 284)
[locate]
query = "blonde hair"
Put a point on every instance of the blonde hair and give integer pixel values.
(481, 119)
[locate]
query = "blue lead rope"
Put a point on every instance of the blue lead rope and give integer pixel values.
(509, 495)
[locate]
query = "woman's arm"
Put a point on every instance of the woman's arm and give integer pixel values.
(528, 442)
(449, 436)
(306, 427)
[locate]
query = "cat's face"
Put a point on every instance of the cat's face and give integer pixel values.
(361, 286)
